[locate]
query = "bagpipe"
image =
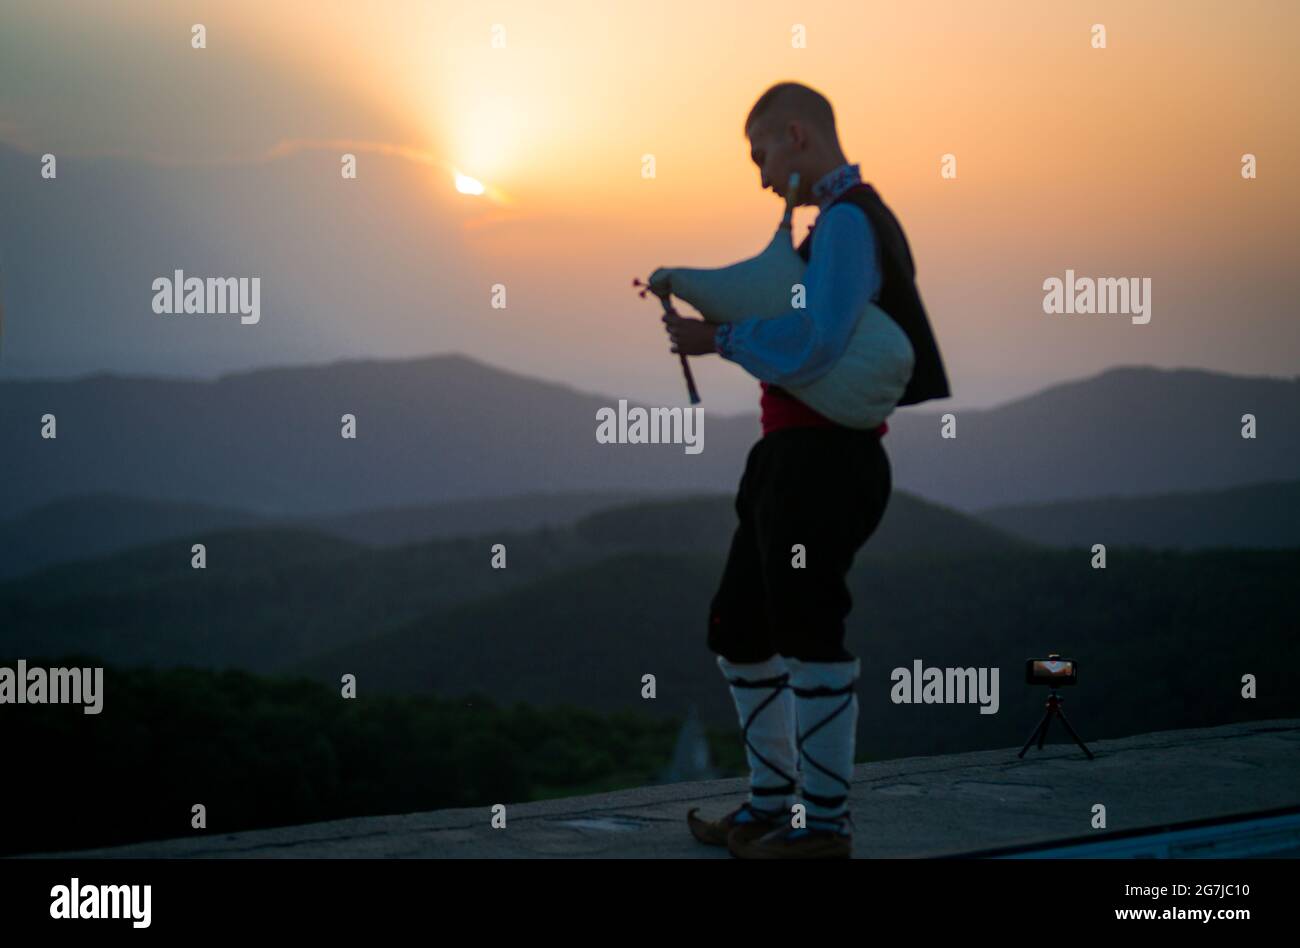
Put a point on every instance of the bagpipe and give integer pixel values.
(866, 382)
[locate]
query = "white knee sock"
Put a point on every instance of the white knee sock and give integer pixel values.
(762, 694)
(826, 709)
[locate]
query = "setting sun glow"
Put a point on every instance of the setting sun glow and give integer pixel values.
(467, 185)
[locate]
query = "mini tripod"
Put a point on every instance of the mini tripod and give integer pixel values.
(1054, 702)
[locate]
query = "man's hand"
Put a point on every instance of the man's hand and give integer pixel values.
(690, 336)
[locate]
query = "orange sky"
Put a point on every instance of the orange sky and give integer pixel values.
(1116, 162)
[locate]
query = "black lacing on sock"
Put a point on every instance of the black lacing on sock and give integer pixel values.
(776, 683)
(822, 691)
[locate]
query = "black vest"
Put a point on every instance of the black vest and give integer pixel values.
(898, 296)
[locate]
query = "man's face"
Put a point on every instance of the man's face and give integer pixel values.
(772, 149)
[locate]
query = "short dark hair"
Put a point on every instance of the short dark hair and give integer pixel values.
(798, 98)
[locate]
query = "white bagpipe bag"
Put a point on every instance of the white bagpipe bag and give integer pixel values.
(864, 385)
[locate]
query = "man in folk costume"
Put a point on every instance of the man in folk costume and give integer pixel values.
(777, 624)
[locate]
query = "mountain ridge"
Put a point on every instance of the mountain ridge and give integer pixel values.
(449, 427)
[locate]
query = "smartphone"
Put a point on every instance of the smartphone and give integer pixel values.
(1053, 670)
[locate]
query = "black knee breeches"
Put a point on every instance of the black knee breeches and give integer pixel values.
(825, 489)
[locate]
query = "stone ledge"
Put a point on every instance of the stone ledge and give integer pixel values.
(909, 807)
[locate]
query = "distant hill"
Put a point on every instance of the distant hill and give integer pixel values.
(393, 526)
(578, 618)
(705, 524)
(429, 430)
(265, 594)
(450, 428)
(1129, 431)
(275, 595)
(1261, 516)
(267, 597)
(100, 524)
(235, 556)
(1162, 640)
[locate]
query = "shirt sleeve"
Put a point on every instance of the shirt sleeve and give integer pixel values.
(800, 346)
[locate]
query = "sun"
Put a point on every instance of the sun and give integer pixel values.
(467, 185)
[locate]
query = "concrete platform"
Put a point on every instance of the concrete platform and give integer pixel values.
(912, 807)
